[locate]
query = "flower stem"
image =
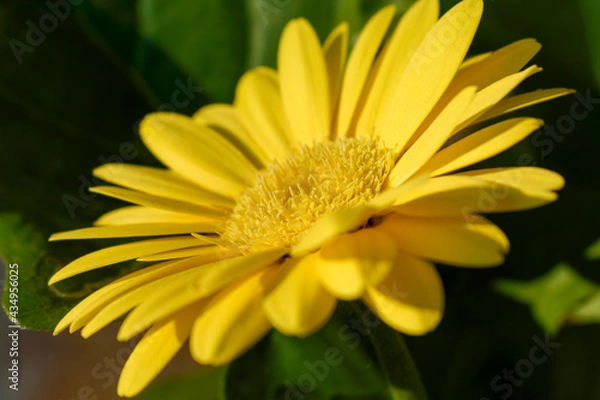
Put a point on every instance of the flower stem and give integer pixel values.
(395, 361)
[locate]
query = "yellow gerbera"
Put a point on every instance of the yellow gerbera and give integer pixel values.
(324, 180)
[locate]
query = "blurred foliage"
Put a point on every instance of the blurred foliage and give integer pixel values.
(552, 297)
(72, 99)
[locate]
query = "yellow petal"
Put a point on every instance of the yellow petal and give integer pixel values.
(331, 226)
(469, 61)
(120, 253)
(170, 255)
(430, 71)
(121, 305)
(140, 215)
(160, 182)
(194, 285)
(162, 203)
(258, 101)
(452, 241)
(468, 193)
(225, 119)
(520, 101)
(354, 261)
(433, 138)
(197, 152)
(411, 298)
(297, 304)
(494, 93)
(481, 145)
(395, 57)
(158, 346)
(493, 67)
(335, 50)
(135, 230)
(232, 322)
(304, 82)
(528, 179)
(91, 305)
(359, 65)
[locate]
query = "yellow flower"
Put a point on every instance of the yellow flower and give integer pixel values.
(325, 180)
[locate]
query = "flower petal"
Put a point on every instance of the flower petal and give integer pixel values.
(482, 191)
(123, 304)
(154, 351)
(472, 60)
(258, 100)
(192, 286)
(528, 179)
(494, 93)
(432, 139)
(329, 227)
(232, 322)
(140, 215)
(297, 304)
(452, 241)
(181, 253)
(162, 203)
(303, 80)
(359, 65)
(225, 119)
(481, 145)
(134, 230)
(520, 101)
(197, 152)
(430, 71)
(161, 183)
(335, 50)
(498, 65)
(120, 253)
(411, 298)
(354, 261)
(395, 58)
(83, 312)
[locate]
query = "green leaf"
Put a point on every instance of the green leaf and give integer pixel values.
(27, 299)
(332, 363)
(208, 385)
(330, 360)
(588, 312)
(205, 38)
(111, 24)
(592, 253)
(551, 297)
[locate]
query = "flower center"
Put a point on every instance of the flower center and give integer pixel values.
(289, 197)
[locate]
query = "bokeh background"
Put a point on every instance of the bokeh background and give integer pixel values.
(76, 76)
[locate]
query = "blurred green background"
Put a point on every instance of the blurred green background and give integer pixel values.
(77, 76)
